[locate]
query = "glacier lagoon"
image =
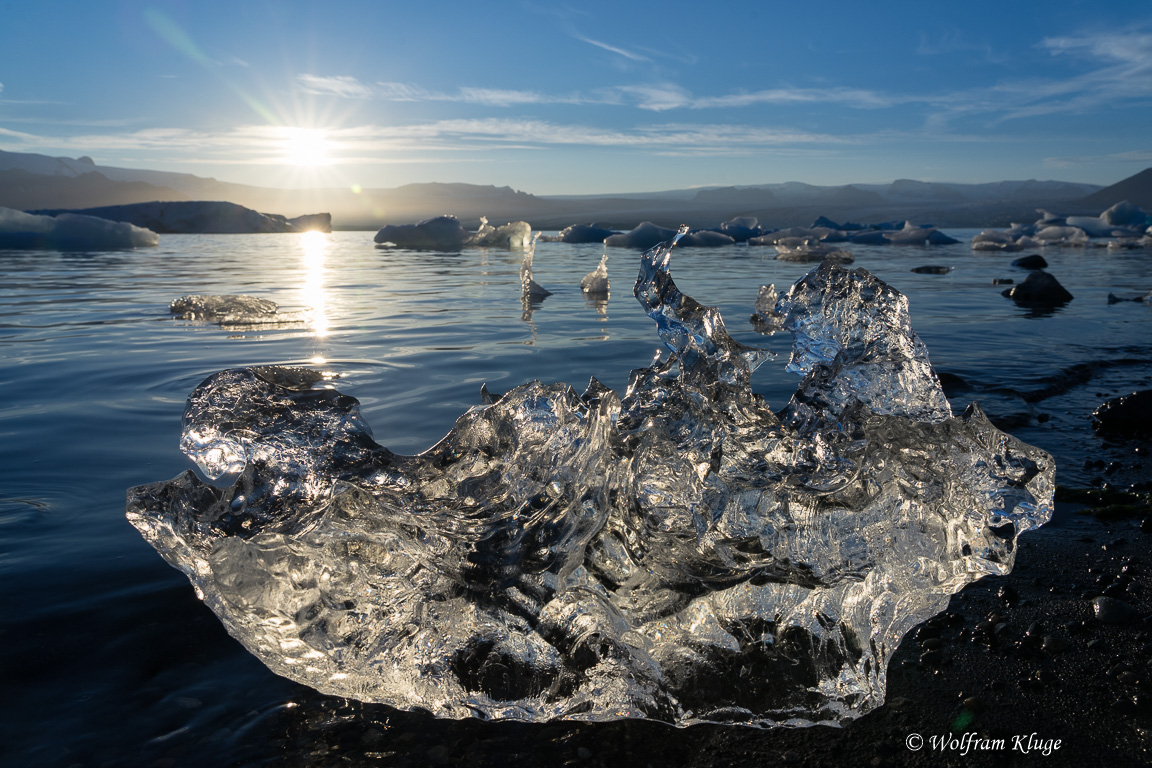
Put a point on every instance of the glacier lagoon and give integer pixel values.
(97, 372)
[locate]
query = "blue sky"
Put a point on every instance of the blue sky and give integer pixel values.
(583, 98)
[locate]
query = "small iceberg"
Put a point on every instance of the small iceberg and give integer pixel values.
(69, 232)
(595, 283)
(803, 249)
(235, 311)
(514, 234)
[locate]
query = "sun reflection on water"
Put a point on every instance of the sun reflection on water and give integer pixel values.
(315, 248)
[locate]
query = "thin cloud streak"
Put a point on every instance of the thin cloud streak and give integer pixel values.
(630, 55)
(346, 87)
(657, 97)
(262, 145)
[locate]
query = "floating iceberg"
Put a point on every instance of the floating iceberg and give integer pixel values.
(681, 554)
(69, 232)
(596, 283)
(204, 217)
(514, 234)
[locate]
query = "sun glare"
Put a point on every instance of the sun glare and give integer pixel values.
(305, 147)
(313, 246)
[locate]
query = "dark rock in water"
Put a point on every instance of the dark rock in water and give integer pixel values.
(1039, 289)
(443, 233)
(1002, 281)
(1034, 261)
(1109, 610)
(824, 221)
(644, 236)
(585, 233)
(932, 270)
(706, 239)
(1130, 414)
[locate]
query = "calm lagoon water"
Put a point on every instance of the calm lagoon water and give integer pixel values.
(109, 659)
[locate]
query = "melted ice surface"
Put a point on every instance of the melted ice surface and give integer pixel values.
(681, 554)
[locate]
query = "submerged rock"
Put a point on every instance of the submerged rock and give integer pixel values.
(1126, 415)
(1034, 261)
(681, 554)
(1039, 289)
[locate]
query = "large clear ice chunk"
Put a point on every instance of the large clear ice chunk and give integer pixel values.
(682, 554)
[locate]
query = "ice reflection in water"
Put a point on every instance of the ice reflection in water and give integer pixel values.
(682, 553)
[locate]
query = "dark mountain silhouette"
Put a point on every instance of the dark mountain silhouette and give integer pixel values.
(31, 181)
(1135, 189)
(23, 190)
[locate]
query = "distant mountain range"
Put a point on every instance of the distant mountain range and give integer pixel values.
(31, 181)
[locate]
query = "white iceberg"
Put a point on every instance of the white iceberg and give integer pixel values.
(69, 232)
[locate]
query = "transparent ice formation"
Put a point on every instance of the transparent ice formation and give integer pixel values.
(682, 553)
(236, 311)
(595, 283)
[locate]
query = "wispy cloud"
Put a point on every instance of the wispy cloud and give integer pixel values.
(630, 55)
(1138, 156)
(1131, 47)
(17, 135)
(349, 87)
(263, 145)
(656, 96)
(343, 86)
(952, 40)
(849, 97)
(1122, 74)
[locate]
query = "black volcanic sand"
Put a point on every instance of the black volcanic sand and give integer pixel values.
(1011, 657)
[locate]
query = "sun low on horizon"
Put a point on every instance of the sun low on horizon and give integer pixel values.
(305, 147)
